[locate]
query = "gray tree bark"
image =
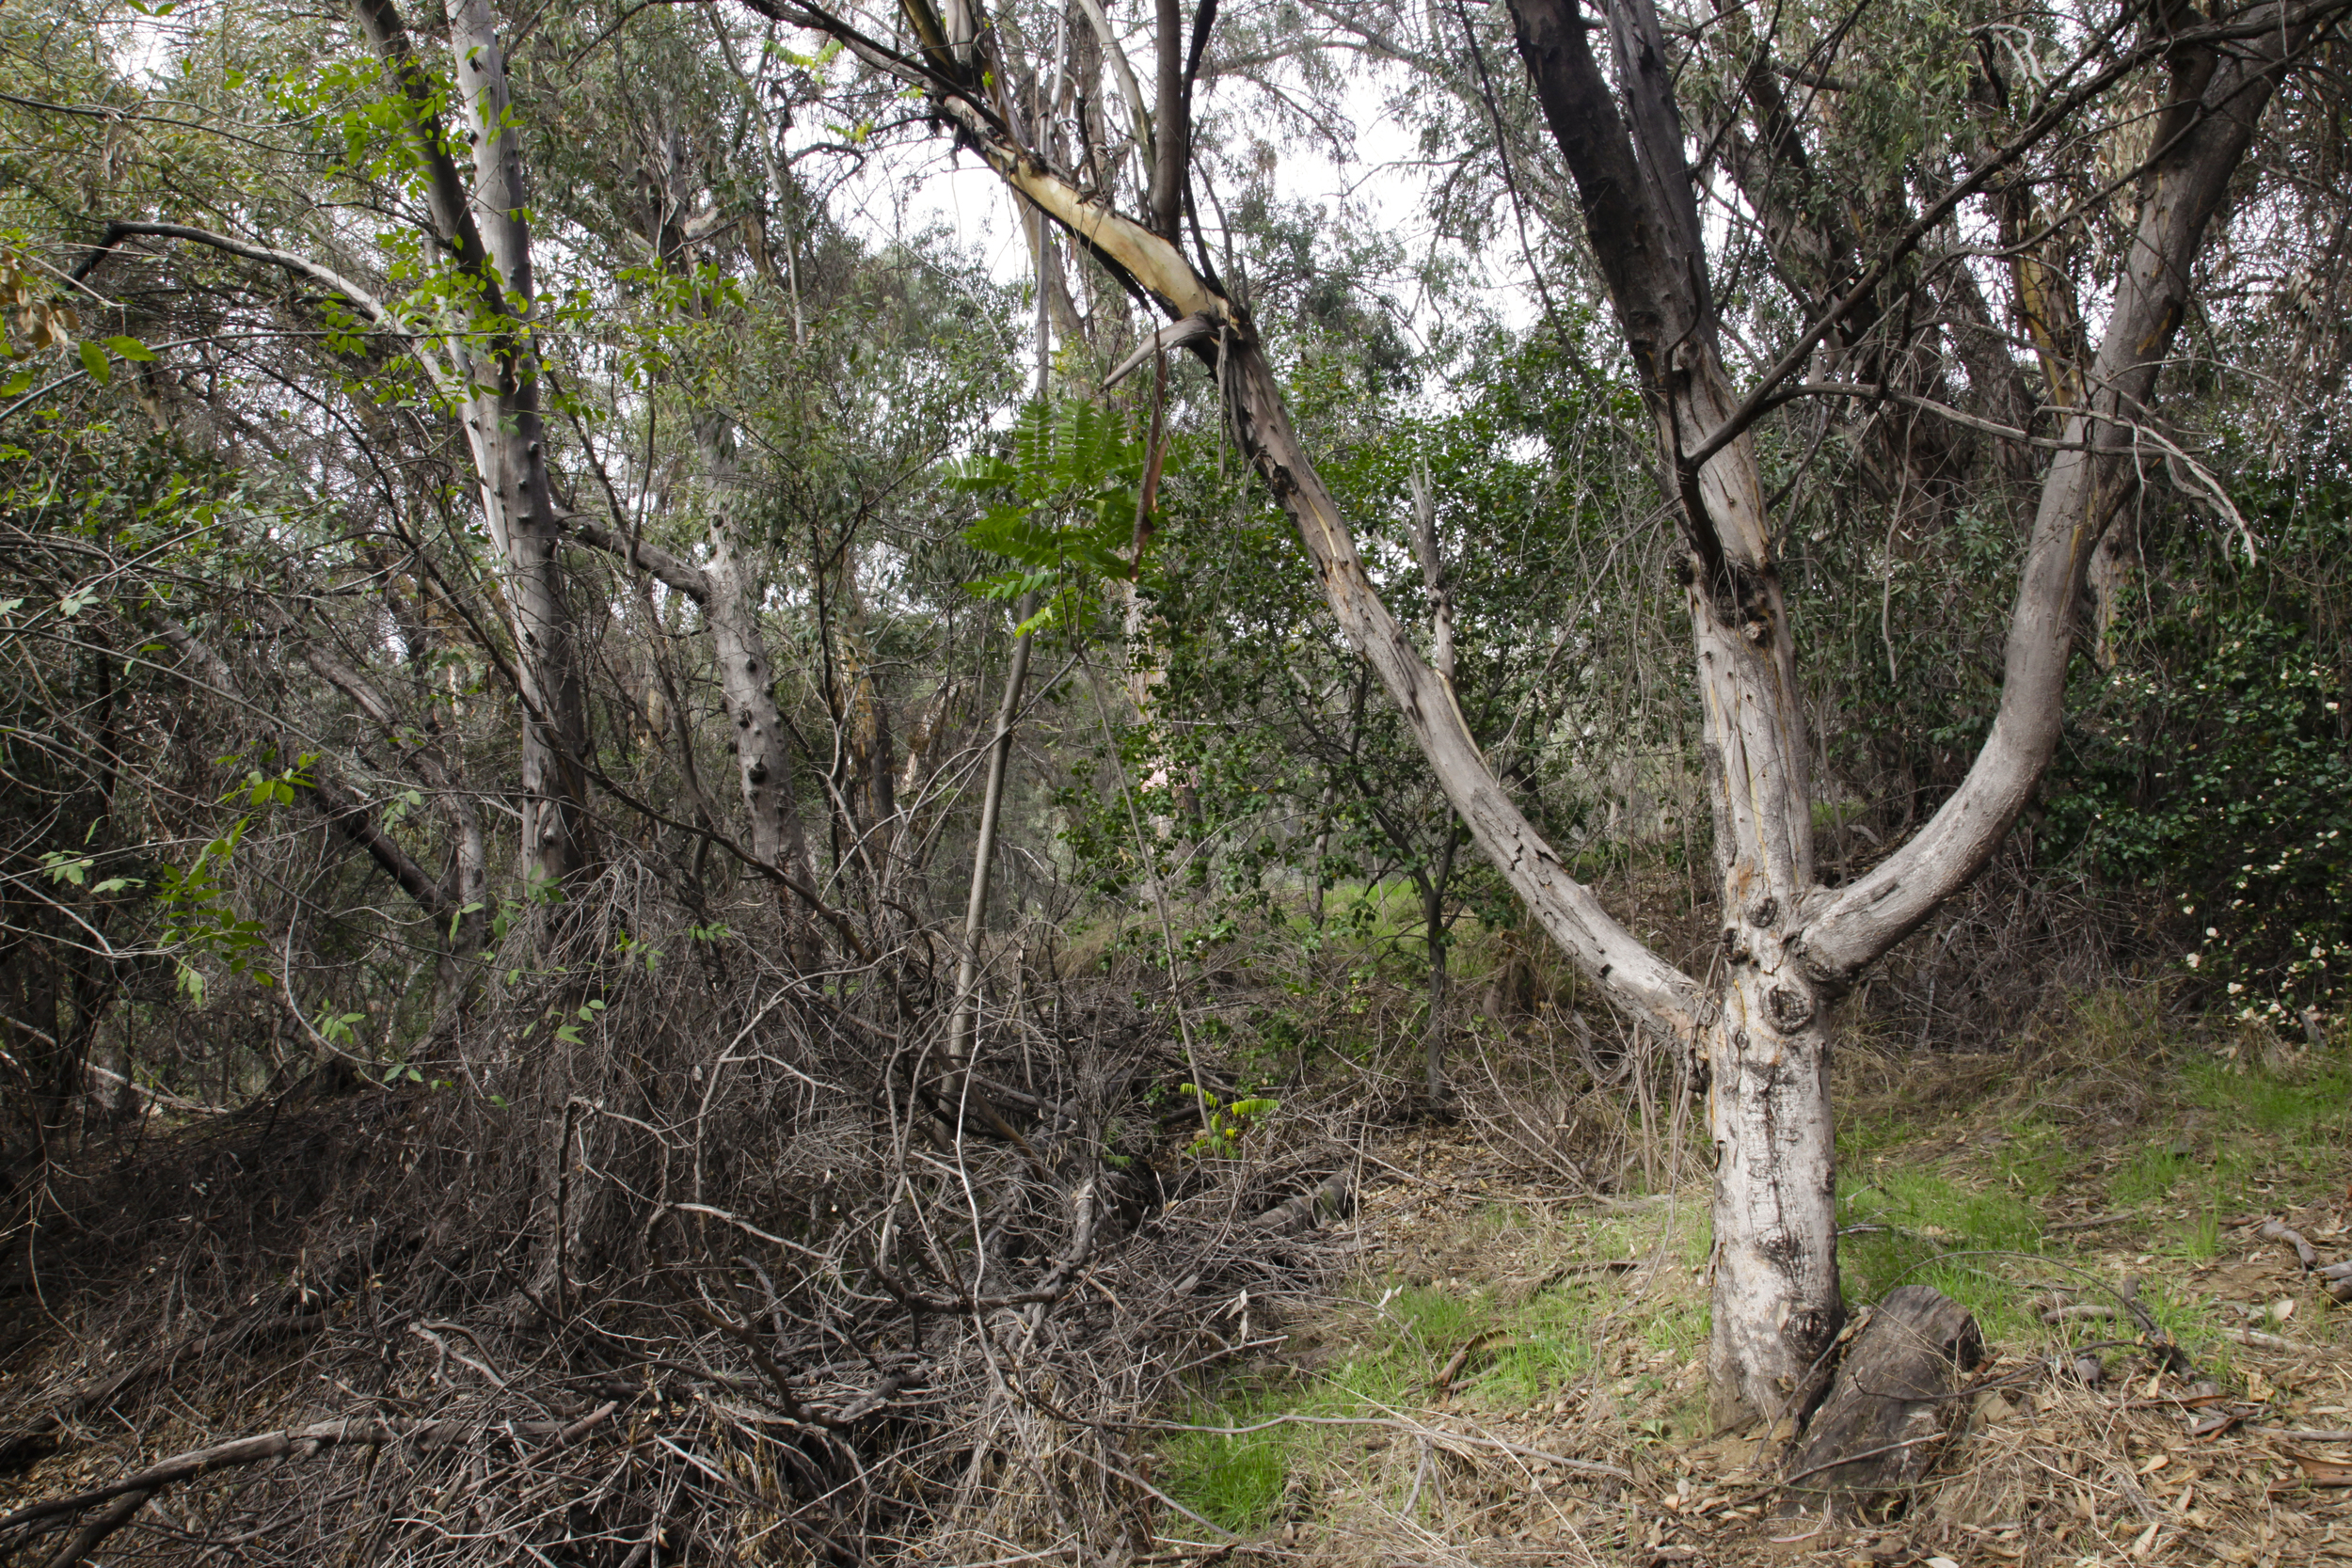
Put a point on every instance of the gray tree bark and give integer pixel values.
(493, 359)
(725, 590)
(1790, 945)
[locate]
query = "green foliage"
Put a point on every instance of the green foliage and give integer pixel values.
(1075, 514)
(199, 909)
(2216, 762)
(1225, 1122)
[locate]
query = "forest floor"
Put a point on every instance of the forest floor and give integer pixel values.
(1501, 1338)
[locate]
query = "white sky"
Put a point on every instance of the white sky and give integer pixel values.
(909, 189)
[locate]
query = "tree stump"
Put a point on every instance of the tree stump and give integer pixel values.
(1877, 1432)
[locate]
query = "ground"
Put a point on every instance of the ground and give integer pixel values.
(1515, 1373)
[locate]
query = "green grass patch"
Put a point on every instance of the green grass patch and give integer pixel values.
(1401, 1338)
(2034, 1159)
(1233, 1483)
(2312, 1105)
(1920, 1227)
(2148, 1176)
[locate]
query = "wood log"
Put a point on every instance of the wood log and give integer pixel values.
(1890, 1406)
(1328, 1201)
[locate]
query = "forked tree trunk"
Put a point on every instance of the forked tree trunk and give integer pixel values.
(1789, 945)
(725, 591)
(1762, 1038)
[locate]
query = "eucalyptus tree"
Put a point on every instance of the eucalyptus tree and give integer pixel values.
(1760, 1021)
(737, 414)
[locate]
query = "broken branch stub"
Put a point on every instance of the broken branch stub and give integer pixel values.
(1880, 1428)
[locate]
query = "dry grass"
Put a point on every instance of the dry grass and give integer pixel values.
(1573, 1355)
(1485, 1363)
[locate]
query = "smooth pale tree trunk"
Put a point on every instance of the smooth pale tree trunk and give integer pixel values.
(724, 591)
(493, 359)
(729, 596)
(1433, 886)
(728, 589)
(510, 454)
(962, 1021)
(483, 358)
(1788, 945)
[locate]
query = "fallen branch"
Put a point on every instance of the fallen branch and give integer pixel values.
(2305, 1252)
(1327, 1200)
(132, 1492)
(2078, 1312)
(301, 1442)
(1460, 1358)
(1602, 1265)
(99, 1392)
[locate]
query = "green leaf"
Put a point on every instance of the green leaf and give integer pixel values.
(130, 348)
(94, 360)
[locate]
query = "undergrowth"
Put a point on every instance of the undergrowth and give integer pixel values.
(2116, 1150)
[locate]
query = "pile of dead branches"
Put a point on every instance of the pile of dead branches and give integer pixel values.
(700, 1255)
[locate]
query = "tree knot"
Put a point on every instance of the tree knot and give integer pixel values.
(1791, 1007)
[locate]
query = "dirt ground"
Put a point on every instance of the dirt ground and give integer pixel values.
(1516, 1377)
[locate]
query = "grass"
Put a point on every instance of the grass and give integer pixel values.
(1237, 1482)
(2312, 1106)
(1402, 1336)
(1910, 1226)
(1952, 1176)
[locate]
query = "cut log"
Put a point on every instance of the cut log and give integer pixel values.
(1891, 1406)
(1328, 1201)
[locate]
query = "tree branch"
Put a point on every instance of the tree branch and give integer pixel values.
(349, 816)
(2227, 91)
(1634, 975)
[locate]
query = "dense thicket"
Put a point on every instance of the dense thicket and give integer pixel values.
(618, 755)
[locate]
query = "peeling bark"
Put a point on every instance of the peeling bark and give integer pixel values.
(1790, 945)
